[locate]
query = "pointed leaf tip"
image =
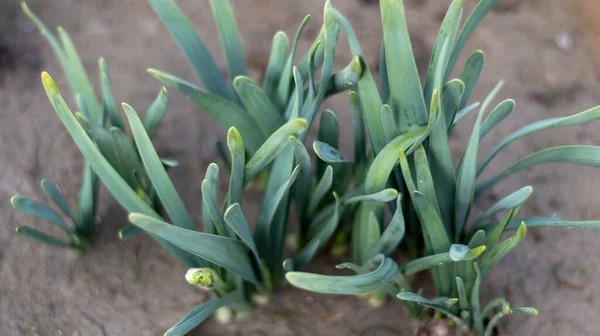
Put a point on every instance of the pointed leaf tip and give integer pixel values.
(49, 84)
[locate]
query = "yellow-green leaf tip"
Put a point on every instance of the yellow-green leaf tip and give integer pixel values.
(234, 138)
(13, 201)
(49, 84)
(522, 230)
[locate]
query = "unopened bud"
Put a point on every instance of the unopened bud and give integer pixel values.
(201, 277)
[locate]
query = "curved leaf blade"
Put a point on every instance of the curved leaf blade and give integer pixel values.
(226, 252)
(226, 113)
(55, 194)
(348, 285)
(202, 311)
(157, 173)
(39, 210)
(192, 46)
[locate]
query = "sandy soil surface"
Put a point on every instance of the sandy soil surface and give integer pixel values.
(545, 51)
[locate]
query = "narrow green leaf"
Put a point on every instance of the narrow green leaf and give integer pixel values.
(457, 252)
(234, 217)
(298, 95)
(440, 303)
(463, 112)
(39, 210)
(433, 118)
(312, 65)
(383, 77)
(320, 238)
(155, 114)
(500, 250)
(55, 194)
(452, 95)
(316, 55)
(467, 174)
(493, 304)
(499, 113)
(470, 75)
(376, 179)
(257, 103)
(47, 34)
(462, 295)
(129, 232)
(192, 46)
(433, 228)
(475, 307)
(327, 153)
(321, 190)
(78, 78)
(358, 130)
(346, 78)
(406, 96)
(349, 285)
(439, 59)
(277, 60)
(431, 222)
(388, 123)
(480, 11)
(213, 218)
(226, 252)
(158, 175)
(304, 185)
(492, 236)
(393, 233)
(278, 196)
(230, 37)
(438, 165)
(108, 148)
(576, 119)
(525, 310)
(88, 194)
(200, 313)
(238, 161)
(226, 113)
(271, 228)
(580, 155)
(283, 88)
(423, 176)
(511, 201)
(386, 195)
(128, 156)
(42, 237)
(272, 147)
(552, 222)
(110, 106)
(328, 142)
(366, 87)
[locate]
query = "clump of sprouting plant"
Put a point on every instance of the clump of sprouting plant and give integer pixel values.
(408, 170)
(111, 140)
(408, 128)
(267, 126)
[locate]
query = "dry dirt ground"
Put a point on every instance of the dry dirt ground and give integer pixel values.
(543, 49)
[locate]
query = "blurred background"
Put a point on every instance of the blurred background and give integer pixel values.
(546, 51)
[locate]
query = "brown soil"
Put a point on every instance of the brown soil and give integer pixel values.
(545, 50)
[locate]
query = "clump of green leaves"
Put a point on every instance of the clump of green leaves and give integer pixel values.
(266, 128)
(110, 138)
(408, 170)
(408, 128)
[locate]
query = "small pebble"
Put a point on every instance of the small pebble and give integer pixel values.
(565, 41)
